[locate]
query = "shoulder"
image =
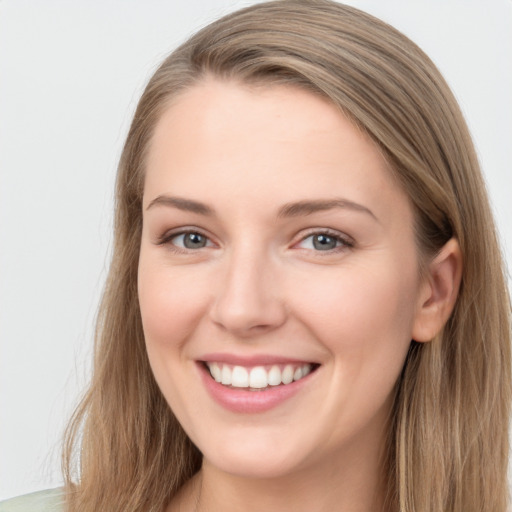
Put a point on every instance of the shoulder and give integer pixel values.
(51, 500)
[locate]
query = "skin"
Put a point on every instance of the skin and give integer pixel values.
(259, 286)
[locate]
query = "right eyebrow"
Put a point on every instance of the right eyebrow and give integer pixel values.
(302, 208)
(187, 205)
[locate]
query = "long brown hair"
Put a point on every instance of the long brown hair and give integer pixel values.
(448, 441)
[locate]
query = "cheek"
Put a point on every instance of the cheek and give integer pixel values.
(363, 316)
(171, 303)
(364, 319)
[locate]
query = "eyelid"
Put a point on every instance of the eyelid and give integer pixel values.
(347, 242)
(168, 236)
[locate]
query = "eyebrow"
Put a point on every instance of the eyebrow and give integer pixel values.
(187, 205)
(295, 209)
(302, 208)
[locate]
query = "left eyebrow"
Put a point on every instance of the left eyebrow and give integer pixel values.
(187, 205)
(300, 208)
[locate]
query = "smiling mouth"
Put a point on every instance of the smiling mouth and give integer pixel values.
(258, 378)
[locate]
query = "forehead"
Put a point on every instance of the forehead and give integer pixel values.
(267, 142)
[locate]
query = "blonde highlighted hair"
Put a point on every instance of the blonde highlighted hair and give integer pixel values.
(448, 437)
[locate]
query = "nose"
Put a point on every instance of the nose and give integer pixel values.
(248, 300)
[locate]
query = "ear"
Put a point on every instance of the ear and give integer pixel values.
(438, 292)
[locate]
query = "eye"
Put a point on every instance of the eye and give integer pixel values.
(189, 240)
(324, 241)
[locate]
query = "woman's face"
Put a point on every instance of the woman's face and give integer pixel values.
(276, 246)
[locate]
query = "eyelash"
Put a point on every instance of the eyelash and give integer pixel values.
(166, 239)
(344, 241)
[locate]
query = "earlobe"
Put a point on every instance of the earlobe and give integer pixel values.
(438, 292)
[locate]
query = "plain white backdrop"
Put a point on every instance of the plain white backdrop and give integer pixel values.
(70, 77)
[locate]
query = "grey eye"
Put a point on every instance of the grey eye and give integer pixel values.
(194, 240)
(190, 240)
(323, 242)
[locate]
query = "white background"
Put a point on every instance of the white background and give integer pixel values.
(70, 76)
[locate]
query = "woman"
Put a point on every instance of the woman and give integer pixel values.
(306, 306)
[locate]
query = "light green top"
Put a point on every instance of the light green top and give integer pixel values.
(51, 500)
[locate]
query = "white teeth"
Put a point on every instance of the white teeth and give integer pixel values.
(216, 372)
(274, 376)
(239, 377)
(226, 375)
(287, 375)
(257, 377)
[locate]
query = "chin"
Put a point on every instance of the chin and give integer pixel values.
(254, 467)
(255, 460)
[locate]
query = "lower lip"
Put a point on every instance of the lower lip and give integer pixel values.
(247, 401)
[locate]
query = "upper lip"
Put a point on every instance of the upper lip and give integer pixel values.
(251, 360)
